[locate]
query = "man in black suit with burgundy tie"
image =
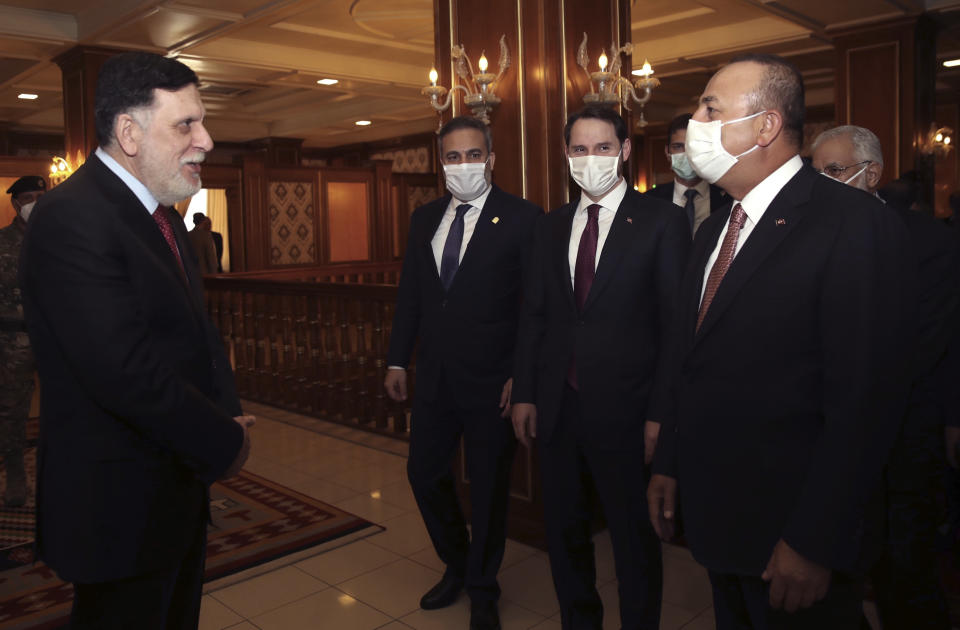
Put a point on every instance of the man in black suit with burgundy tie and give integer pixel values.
(139, 413)
(459, 296)
(788, 368)
(598, 299)
(687, 190)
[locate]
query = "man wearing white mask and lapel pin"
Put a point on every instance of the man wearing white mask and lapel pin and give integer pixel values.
(788, 366)
(687, 190)
(459, 298)
(598, 299)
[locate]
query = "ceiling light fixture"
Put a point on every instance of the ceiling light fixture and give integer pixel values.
(362, 123)
(27, 97)
(951, 63)
(328, 81)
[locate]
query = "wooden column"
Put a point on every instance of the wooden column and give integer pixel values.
(543, 85)
(885, 82)
(80, 67)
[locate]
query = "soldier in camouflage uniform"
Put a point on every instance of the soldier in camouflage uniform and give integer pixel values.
(16, 359)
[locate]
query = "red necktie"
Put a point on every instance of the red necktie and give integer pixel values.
(163, 222)
(584, 272)
(727, 251)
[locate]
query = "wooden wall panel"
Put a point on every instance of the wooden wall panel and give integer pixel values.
(348, 220)
(947, 169)
(884, 83)
(79, 68)
(543, 86)
(873, 78)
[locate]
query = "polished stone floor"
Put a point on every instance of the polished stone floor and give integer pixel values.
(376, 582)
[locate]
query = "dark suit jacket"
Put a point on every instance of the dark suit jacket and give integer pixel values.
(785, 404)
(616, 340)
(718, 198)
(935, 250)
(218, 244)
(137, 395)
(466, 335)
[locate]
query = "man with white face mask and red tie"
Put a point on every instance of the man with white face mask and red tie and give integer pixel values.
(598, 299)
(787, 366)
(459, 297)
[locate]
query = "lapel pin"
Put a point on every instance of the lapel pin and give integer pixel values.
(495, 220)
(630, 220)
(781, 221)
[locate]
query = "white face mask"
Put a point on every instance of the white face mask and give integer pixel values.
(681, 166)
(853, 177)
(705, 148)
(596, 175)
(26, 209)
(468, 180)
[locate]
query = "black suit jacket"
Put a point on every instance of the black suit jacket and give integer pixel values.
(137, 395)
(467, 334)
(616, 340)
(718, 198)
(785, 404)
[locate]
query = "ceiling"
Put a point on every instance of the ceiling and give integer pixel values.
(259, 60)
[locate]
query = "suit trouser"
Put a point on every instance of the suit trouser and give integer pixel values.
(570, 462)
(907, 579)
(489, 444)
(743, 603)
(165, 600)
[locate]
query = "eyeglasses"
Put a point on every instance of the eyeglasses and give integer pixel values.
(835, 170)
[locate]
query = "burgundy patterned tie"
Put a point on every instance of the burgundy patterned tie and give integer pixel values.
(727, 251)
(585, 268)
(583, 273)
(163, 222)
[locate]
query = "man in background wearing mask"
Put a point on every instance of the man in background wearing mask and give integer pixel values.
(16, 359)
(687, 190)
(906, 580)
(788, 366)
(597, 301)
(459, 296)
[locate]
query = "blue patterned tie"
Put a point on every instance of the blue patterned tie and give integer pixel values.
(450, 260)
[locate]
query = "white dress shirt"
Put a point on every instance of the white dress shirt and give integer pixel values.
(135, 185)
(701, 203)
(470, 219)
(608, 209)
(754, 204)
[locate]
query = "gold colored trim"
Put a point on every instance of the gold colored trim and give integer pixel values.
(455, 104)
(523, 101)
(563, 81)
(896, 104)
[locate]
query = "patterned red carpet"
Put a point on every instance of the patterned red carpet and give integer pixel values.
(254, 521)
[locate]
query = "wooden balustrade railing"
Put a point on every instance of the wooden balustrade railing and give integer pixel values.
(317, 348)
(353, 273)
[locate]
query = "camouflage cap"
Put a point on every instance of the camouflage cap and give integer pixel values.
(27, 183)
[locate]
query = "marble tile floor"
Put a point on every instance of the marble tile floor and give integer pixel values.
(376, 582)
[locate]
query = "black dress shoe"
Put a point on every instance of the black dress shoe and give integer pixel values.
(443, 594)
(484, 616)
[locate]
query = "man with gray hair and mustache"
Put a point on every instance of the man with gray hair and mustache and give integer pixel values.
(139, 410)
(906, 583)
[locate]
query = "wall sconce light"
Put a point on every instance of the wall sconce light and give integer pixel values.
(478, 89)
(607, 87)
(60, 170)
(939, 141)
